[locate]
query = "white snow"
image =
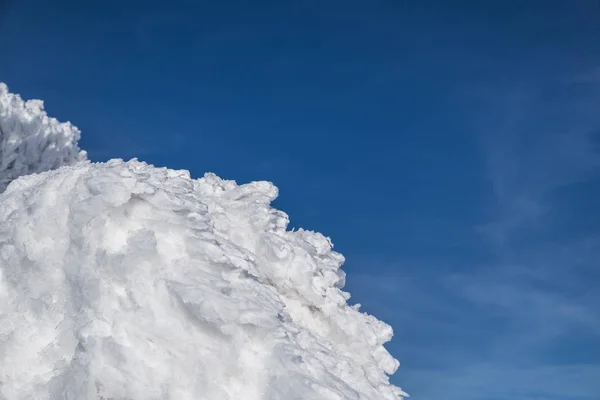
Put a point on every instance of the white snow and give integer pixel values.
(120, 281)
(30, 141)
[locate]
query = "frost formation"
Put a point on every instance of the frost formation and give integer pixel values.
(30, 141)
(120, 281)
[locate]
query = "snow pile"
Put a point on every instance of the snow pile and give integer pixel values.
(30, 142)
(120, 281)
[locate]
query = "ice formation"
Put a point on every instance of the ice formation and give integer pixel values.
(120, 281)
(30, 141)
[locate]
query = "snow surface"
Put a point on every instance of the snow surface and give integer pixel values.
(31, 142)
(120, 280)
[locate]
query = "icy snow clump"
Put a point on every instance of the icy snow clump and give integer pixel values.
(121, 281)
(30, 141)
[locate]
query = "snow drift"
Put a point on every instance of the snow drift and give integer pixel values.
(120, 281)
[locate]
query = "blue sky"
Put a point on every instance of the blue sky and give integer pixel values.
(450, 149)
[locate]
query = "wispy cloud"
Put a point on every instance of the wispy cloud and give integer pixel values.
(591, 76)
(523, 324)
(540, 283)
(537, 308)
(497, 332)
(488, 381)
(536, 149)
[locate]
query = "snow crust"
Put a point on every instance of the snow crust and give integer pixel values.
(120, 280)
(30, 141)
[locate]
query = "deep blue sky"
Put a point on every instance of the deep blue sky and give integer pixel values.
(451, 149)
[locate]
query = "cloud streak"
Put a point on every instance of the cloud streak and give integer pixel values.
(524, 323)
(499, 382)
(536, 150)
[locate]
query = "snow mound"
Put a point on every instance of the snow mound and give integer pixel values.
(30, 141)
(120, 281)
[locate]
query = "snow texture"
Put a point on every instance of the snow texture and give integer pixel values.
(30, 142)
(120, 281)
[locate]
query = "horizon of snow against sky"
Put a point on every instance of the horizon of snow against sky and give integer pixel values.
(451, 152)
(121, 280)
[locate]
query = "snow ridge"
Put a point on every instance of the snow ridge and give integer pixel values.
(30, 141)
(120, 281)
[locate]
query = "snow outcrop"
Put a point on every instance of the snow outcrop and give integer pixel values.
(30, 141)
(120, 281)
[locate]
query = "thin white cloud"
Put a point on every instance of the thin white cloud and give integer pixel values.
(592, 76)
(538, 310)
(537, 147)
(492, 330)
(498, 382)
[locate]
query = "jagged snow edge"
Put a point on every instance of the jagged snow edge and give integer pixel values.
(32, 142)
(331, 303)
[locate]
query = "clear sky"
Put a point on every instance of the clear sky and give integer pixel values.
(451, 150)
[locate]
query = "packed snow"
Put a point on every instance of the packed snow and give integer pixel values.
(120, 281)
